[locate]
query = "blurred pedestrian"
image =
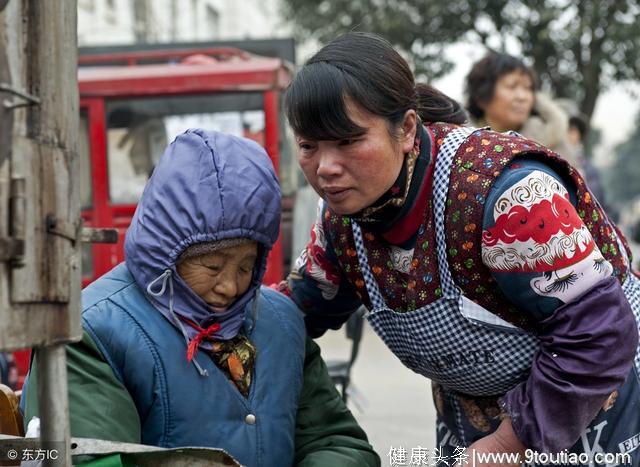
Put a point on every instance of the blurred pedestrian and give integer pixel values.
(8, 370)
(501, 93)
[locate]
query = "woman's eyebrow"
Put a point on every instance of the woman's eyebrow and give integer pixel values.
(227, 255)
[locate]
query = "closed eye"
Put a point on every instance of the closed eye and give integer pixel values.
(599, 265)
(562, 283)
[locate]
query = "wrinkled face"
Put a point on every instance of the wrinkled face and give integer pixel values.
(512, 102)
(220, 277)
(351, 174)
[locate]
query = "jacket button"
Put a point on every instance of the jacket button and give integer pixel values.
(250, 419)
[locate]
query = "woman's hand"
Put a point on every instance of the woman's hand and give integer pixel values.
(500, 448)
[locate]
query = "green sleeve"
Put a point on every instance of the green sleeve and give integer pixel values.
(99, 405)
(326, 432)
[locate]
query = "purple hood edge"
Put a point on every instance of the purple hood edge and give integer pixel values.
(207, 186)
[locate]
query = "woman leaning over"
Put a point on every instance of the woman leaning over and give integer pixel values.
(482, 258)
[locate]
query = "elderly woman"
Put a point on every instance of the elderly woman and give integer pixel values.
(183, 347)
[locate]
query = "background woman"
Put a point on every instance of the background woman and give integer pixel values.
(501, 93)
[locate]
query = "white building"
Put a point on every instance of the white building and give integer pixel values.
(111, 22)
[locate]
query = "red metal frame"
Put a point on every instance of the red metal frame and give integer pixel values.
(100, 214)
(134, 58)
(275, 268)
(144, 80)
(97, 84)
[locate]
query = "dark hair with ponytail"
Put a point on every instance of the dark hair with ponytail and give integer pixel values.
(364, 69)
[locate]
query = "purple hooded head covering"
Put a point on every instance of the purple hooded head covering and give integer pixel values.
(207, 187)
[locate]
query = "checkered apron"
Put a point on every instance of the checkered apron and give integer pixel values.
(469, 350)
(478, 357)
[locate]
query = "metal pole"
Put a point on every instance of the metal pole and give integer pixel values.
(53, 404)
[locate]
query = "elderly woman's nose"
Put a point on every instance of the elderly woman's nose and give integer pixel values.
(226, 286)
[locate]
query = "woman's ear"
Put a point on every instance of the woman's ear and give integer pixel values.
(408, 130)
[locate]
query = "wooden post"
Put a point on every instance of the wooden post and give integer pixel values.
(40, 292)
(39, 263)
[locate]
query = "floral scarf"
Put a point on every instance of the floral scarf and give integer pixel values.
(236, 358)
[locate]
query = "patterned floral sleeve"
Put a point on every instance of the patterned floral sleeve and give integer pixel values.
(544, 259)
(537, 247)
(317, 285)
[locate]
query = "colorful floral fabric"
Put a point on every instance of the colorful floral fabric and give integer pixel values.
(236, 358)
(537, 247)
(478, 163)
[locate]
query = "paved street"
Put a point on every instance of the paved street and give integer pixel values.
(397, 408)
